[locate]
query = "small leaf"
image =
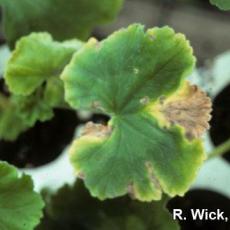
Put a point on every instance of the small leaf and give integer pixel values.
(126, 76)
(63, 19)
(33, 108)
(221, 4)
(78, 210)
(20, 206)
(54, 92)
(32, 75)
(39, 105)
(11, 124)
(36, 59)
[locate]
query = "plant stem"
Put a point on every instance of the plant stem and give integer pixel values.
(220, 150)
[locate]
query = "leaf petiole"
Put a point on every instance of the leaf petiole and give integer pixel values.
(220, 150)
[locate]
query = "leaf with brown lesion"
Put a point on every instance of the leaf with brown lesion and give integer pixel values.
(134, 154)
(96, 130)
(189, 108)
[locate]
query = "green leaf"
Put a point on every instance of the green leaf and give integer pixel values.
(11, 124)
(19, 113)
(33, 108)
(63, 19)
(128, 66)
(36, 59)
(139, 152)
(20, 206)
(140, 155)
(74, 208)
(54, 92)
(221, 4)
(32, 75)
(39, 105)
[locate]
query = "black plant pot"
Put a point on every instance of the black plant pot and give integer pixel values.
(43, 143)
(220, 123)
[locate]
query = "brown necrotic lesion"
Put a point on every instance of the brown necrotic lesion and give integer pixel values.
(96, 130)
(189, 108)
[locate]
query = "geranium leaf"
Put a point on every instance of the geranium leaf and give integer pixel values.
(54, 92)
(19, 113)
(63, 19)
(129, 66)
(138, 157)
(39, 105)
(80, 211)
(32, 75)
(11, 124)
(33, 108)
(20, 206)
(35, 60)
(142, 151)
(221, 4)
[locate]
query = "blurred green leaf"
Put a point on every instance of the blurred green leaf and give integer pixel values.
(63, 19)
(74, 208)
(11, 124)
(39, 105)
(54, 92)
(33, 108)
(20, 206)
(32, 75)
(36, 59)
(221, 4)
